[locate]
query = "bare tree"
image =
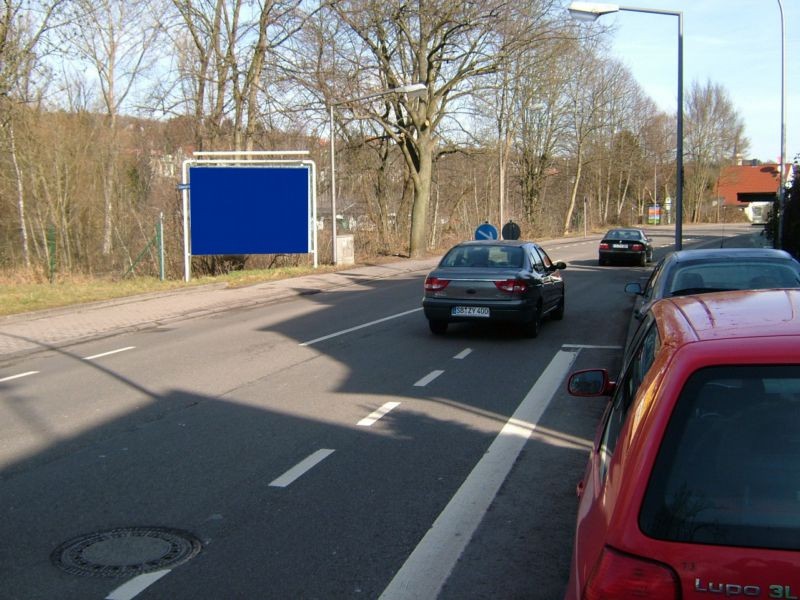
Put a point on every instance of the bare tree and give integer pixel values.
(590, 95)
(714, 138)
(224, 56)
(446, 45)
(541, 79)
(21, 33)
(115, 39)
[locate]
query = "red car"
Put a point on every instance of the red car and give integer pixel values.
(692, 489)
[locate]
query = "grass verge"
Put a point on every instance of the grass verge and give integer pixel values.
(19, 295)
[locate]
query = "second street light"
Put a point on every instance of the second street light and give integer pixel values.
(590, 11)
(413, 90)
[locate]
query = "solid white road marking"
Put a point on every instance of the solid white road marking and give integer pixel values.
(427, 568)
(301, 468)
(357, 327)
(18, 376)
(109, 353)
(370, 419)
(136, 585)
(428, 378)
(463, 354)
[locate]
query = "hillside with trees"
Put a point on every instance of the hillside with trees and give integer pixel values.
(525, 117)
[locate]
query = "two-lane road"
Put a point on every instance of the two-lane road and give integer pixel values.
(323, 447)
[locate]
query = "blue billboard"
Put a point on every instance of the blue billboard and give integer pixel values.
(250, 210)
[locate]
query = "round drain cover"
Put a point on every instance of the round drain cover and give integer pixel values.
(126, 552)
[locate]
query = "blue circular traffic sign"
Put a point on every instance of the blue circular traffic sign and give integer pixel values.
(486, 231)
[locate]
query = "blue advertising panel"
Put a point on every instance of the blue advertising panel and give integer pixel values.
(250, 210)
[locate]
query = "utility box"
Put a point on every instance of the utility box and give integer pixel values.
(345, 250)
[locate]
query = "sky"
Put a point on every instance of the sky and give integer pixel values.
(734, 43)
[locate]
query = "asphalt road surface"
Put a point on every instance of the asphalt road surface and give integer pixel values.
(323, 447)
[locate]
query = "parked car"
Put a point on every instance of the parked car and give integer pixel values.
(692, 488)
(494, 281)
(713, 270)
(625, 245)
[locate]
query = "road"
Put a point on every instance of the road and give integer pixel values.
(326, 446)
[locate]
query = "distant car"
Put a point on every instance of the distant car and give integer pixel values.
(712, 270)
(625, 245)
(494, 281)
(692, 488)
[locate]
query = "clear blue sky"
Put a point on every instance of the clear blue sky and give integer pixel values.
(735, 43)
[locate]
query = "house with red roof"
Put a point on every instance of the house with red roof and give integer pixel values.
(752, 188)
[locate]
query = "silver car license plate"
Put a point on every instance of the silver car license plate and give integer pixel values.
(619, 246)
(470, 311)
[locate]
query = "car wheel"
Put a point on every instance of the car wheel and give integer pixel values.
(643, 260)
(558, 313)
(437, 327)
(601, 261)
(534, 326)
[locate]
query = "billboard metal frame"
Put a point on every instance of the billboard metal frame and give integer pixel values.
(246, 159)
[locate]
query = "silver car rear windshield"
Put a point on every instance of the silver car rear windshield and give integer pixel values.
(740, 275)
(484, 256)
(728, 469)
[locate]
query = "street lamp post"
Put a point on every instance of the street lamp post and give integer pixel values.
(413, 90)
(590, 11)
(781, 186)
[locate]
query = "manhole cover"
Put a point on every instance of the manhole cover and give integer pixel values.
(126, 552)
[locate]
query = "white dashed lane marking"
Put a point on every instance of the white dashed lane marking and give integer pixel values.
(18, 376)
(375, 416)
(301, 468)
(428, 378)
(94, 356)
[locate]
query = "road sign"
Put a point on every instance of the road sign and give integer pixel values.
(486, 231)
(511, 231)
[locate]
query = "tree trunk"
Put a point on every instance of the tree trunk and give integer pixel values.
(574, 194)
(23, 226)
(422, 196)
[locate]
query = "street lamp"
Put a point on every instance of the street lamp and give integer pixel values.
(781, 186)
(412, 90)
(590, 11)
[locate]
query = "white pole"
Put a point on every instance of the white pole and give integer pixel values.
(161, 273)
(333, 187)
(187, 272)
(781, 184)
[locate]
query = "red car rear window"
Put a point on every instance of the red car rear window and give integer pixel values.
(728, 469)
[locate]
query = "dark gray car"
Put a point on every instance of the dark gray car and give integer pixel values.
(688, 272)
(625, 245)
(498, 281)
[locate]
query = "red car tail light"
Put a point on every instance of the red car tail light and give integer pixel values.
(618, 575)
(637, 247)
(434, 284)
(604, 246)
(513, 286)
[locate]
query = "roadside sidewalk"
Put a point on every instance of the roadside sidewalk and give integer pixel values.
(28, 333)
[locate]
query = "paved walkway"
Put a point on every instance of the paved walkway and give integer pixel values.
(31, 332)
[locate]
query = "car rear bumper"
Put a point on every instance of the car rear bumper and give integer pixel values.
(510, 311)
(622, 254)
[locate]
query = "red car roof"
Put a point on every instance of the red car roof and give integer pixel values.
(723, 315)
